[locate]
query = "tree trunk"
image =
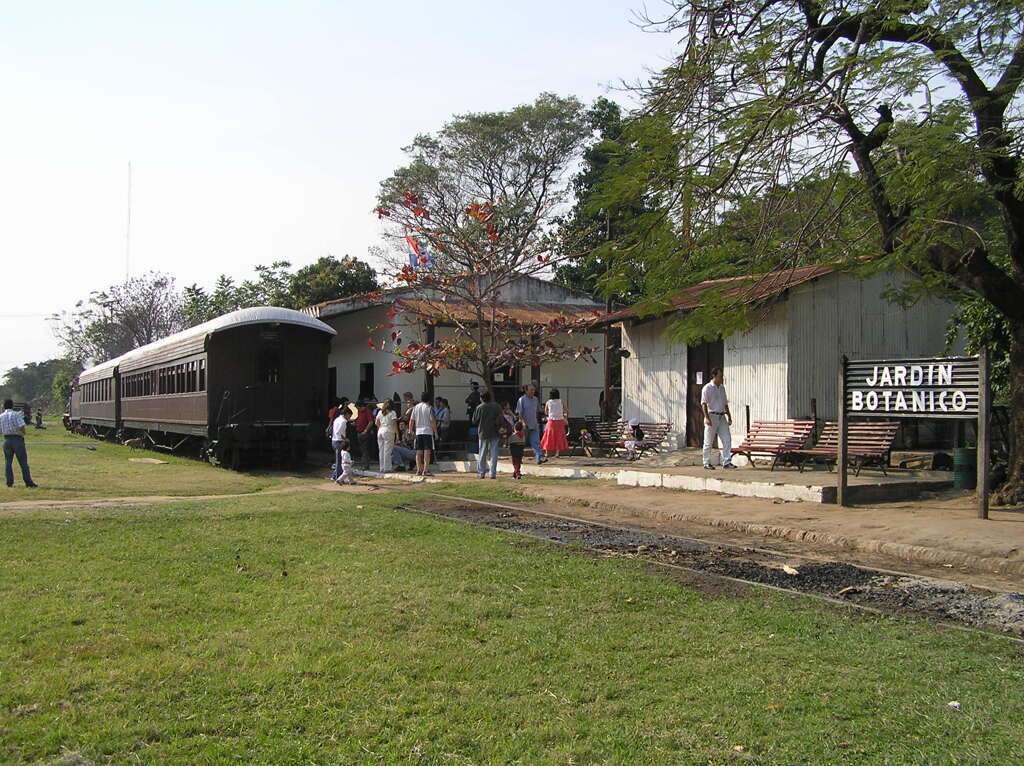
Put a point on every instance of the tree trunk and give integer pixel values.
(1012, 492)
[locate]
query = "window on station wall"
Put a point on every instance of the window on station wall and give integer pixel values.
(365, 380)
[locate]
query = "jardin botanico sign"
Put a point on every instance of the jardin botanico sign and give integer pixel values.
(955, 387)
(913, 388)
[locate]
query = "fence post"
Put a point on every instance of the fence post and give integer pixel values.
(984, 449)
(842, 451)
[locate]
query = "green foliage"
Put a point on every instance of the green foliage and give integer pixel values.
(37, 382)
(124, 316)
(789, 133)
(275, 285)
(978, 326)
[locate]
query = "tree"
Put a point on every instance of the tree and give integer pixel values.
(125, 316)
(33, 382)
(275, 285)
(329, 279)
(920, 100)
(476, 202)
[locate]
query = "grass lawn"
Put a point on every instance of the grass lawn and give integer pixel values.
(300, 628)
(65, 473)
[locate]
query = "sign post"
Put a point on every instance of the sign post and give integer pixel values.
(948, 388)
(842, 449)
(984, 450)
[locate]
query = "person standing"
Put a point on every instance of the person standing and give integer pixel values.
(337, 432)
(527, 408)
(421, 419)
(12, 425)
(516, 440)
(387, 430)
(473, 400)
(366, 434)
(717, 419)
(443, 416)
(554, 432)
(488, 419)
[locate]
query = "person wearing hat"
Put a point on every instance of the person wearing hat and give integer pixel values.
(634, 438)
(387, 430)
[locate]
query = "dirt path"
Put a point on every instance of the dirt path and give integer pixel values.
(95, 503)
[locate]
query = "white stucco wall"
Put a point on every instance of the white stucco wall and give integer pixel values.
(579, 382)
(654, 377)
(756, 371)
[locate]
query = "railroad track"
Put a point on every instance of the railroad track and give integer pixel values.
(872, 590)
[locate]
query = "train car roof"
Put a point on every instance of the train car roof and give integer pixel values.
(240, 318)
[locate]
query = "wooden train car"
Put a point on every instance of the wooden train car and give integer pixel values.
(244, 387)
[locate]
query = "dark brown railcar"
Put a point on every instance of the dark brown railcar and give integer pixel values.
(248, 385)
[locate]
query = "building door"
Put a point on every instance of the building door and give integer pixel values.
(332, 385)
(700, 360)
(366, 380)
(506, 385)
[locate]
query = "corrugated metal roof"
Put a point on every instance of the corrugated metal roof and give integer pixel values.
(240, 318)
(752, 288)
(519, 313)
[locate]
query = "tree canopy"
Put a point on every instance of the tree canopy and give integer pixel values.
(33, 382)
(475, 205)
(326, 279)
(113, 321)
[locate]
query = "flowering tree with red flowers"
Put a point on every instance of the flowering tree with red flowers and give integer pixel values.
(473, 213)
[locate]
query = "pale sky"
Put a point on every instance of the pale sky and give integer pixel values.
(256, 131)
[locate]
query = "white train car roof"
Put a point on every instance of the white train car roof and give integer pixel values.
(193, 340)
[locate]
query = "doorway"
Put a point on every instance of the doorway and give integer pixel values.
(700, 360)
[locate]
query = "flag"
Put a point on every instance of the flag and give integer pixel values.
(414, 254)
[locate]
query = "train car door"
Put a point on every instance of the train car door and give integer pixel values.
(270, 370)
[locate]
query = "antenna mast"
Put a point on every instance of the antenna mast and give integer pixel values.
(128, 232)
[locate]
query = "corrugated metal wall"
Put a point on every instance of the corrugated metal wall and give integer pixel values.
(654, 378)
(839, 314)
(756, 366)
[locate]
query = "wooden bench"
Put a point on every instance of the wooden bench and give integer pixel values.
(609, 438)
(775, 438)
(868, 443)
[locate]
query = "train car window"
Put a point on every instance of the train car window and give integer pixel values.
(202, 374)
(268, 366)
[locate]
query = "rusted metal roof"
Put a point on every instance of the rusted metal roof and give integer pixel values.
(518, 313)
(749, 289)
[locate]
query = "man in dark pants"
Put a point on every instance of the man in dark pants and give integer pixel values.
(12, 425)
(366, 432)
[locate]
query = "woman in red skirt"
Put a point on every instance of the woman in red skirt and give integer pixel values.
(554, 432)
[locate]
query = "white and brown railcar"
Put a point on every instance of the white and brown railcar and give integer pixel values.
(247, 385)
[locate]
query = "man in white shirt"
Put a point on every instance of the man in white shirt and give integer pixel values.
(421, 419)
(12, 426)
(717, 419)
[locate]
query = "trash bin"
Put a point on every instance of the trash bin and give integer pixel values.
(965, 468)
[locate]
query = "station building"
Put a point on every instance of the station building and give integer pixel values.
(359, 369)
(786, 365)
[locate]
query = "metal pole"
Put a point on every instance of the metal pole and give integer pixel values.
(842, 451)
(984, 449)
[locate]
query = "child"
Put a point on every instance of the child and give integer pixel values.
(516, 440)
(634, 438)
(345, 458)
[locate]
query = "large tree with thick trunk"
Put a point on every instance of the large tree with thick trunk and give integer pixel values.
(918, 103)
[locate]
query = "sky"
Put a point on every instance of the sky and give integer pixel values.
(256, 131)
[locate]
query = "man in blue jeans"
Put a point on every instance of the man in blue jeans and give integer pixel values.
(12, 425)
(527, 408)
(486, 419)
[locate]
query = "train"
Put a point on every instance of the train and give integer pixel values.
(249, 387)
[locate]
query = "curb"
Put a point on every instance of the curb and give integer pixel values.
(916, 553)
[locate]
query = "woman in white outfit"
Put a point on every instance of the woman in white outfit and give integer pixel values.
(387, 430)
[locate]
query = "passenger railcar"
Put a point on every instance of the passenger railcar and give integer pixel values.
(245, 386)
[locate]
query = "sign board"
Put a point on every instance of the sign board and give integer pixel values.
(955, 387)
(913, 388)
